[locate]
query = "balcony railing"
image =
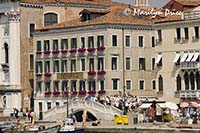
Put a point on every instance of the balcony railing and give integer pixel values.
(189, 65)
(189, 94)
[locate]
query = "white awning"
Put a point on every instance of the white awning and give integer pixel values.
(159, 57)
(183, 58)
(190, 56)
(177, 57)
(145, 105)
(196, 55)
(161, 105)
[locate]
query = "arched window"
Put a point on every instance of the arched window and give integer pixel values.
(6, 53)
(192, 81)
(186, 79)
(178, 83)
(160, 83)
(198, 80)
(50, 18)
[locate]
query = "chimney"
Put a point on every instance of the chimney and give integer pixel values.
(141, 2)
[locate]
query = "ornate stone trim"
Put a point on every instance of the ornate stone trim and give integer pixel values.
(13, 16)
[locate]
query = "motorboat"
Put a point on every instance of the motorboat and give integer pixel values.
(69, 127)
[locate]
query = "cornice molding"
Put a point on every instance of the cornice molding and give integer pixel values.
(182, 22)
(92, 28)
(34, 5)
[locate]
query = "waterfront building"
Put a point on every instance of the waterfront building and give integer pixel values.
(10, 86)
(177, 61)
(38, 14)
(108, 54)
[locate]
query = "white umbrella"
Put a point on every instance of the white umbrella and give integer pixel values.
(171, 105)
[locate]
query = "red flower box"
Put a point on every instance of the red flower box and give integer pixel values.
(101, 72)
(38, 74)
(82, 92)
(91, 49)
(74, 92)
(56, 52)
(91, 73)
(65, 92)
(100, 48)
(92, 92)
(56, 93)
(47, 74)
(47, 93)
(64, 51)
(101, 92)
(72, 50)
(47, 52)
(81, 50)
(39, 52)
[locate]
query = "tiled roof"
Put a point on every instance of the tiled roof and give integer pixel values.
(86, 2)
(116, 15)
(189, 2)
(167, 19)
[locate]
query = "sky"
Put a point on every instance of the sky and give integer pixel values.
(153, 3)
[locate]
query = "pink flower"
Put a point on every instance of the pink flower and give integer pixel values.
(91, 73)
(72, 50)
(100, 48)
(80, 50)
(47, 52)
(92, 92)
(47, 74)
(91, 49)
(55, 52)
(101, 72)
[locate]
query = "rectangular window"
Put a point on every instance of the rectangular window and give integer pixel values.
(64, 44)
(56, 86)
(73, 43)
(100, 64)
(82, 42)
(152, 41)
(47, 66)
(31, 61)
(128, 84)
(196, 30)
(38, 86)
(73, 85)
(141, 84)
(91, 42)
(32, 29)
(82, 64)
(178, 33)
(57, 103)
(38, 67)
(47, 86)
(92, 85)
(56, 66)
(101, 85)
(55, 44)
(154, 85)
(115, 84)
(141, 63)
(48, 105)
(159, 35)
(73, 65)
(114, 40)
(127, 41)
(141, 41)
(186, 33)
(153, 64)
(40, 106)
(39, 46)
(91, 64)
(64, 85)
(46, 45)
(128, 63)
(82, 85)
(100, 41)
(114, 63)
(64, 65)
